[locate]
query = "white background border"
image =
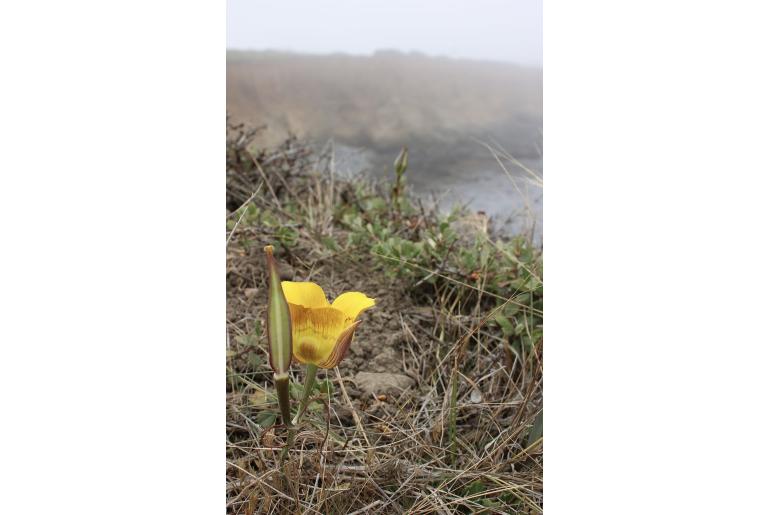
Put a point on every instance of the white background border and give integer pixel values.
(656, 257)
(112, 277)
(113, 268)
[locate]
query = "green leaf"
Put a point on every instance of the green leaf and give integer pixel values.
(296, 390)
(266, 419)
(246, 339)
(505, 324)
(375, 204)
(484, 256)
(476, 487)
(329, 243)
(489, 503)
(315, 406)
(326, 387)
(532, 284)
(511, 309)
(255, 360)
(537, 429)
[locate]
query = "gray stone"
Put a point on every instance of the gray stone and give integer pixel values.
(382, 383)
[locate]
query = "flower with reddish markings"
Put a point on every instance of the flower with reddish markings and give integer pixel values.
(322, 332)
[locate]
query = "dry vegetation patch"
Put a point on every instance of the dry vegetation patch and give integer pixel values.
(435, 408)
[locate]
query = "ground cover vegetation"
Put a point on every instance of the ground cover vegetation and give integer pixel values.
(437, 405)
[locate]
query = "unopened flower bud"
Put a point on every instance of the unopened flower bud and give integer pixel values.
(401, 161)
(278, 319)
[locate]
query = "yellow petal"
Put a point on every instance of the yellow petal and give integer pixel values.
(315, 332)
(305, 294)
(352, 303)
(340, 347)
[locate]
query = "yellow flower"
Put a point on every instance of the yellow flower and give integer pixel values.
(322, 332)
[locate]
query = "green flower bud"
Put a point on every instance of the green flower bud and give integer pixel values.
(278, 319)
(401, 162)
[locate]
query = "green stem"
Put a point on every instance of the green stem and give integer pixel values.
(309, 382)
(282, 389)
(289, 444)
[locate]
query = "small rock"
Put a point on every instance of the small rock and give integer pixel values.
(383, 383)
(250, 292)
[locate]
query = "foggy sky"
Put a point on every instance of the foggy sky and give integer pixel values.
(500, 30)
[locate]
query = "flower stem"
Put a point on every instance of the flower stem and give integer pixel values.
(309, 382)
(284, 401)
(282, 389)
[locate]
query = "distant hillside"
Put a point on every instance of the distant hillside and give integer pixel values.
(386, 100)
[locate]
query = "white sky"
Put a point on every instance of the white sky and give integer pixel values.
(499, 30)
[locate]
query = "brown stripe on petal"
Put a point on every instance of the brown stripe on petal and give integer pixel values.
(340, 348)
(307, 351)
(323, 321)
